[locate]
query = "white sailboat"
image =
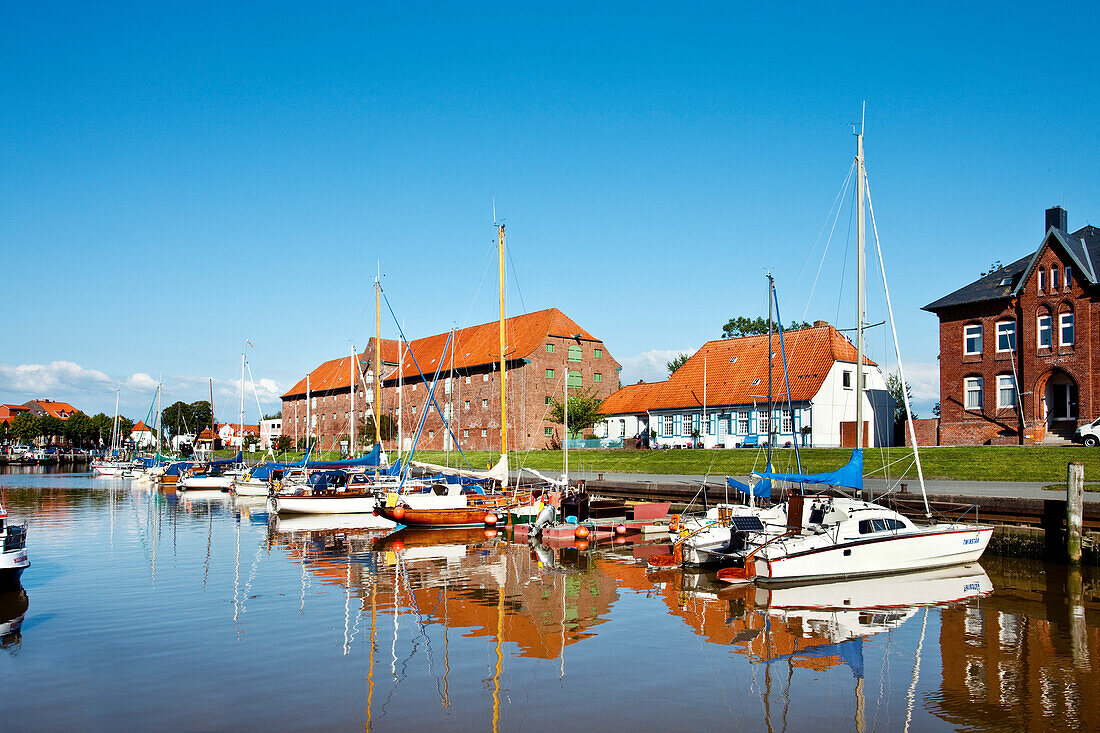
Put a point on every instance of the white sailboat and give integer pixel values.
(111, 465)
(840, 537)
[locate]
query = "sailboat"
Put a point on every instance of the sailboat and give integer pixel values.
(112, 465)
(840, 537)
(13, 551)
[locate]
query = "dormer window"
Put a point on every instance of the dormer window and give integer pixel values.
(1005, 281)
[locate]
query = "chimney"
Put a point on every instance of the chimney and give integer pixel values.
(1056, 217)
(819, 324)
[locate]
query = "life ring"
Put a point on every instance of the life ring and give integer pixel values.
(674, 524)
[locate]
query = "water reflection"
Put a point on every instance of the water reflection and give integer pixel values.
(469, 630)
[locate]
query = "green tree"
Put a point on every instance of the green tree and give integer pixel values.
(893, 386)
(366, 432)
(101, 426)
(284, 443)
(25, 427)
(251, 440)
(125, 427)
(77, 428)
(200, 416)
(742, 326)
(993, 267)
(584, 411)
(50, 426)
(177, 418)
(274, 416)
(676, 363)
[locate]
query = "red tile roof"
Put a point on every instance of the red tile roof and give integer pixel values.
(56, 409)
(336, 373)
(480, 345)
(631, 399)
(737, 372)
(140, 427)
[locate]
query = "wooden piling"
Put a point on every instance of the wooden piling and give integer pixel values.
(1075, 497)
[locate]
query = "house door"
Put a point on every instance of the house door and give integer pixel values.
(1061, 398)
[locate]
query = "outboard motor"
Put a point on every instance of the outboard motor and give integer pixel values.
(545, 517)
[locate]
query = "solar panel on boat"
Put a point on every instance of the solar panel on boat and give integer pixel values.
(747, 524)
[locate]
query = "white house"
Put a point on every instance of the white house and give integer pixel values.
(719, 397)
(231, 434)
(142, 435)
(270, 430)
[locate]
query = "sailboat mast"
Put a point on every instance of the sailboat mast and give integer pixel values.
(400, 395)
(771, 408)
(861, 268)
(309, 424)
(378, 358)
(114, 425)
(213, 424)
(160, 426)
(565, 422)
(351, 382)
(242, 403)
(503, 393)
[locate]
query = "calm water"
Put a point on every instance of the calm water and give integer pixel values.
(147, 611)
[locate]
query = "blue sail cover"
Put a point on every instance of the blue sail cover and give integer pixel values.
(262, 472)
(850, 652)
(850, 475)
(175, 469)
(227, 461)
(762, 489)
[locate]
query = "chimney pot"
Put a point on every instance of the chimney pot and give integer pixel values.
(1057, 217)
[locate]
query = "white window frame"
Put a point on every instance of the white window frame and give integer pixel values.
(968, 334)
(1005, 332)
(1005, 382)
(762, 422)
(786, 423)
(744, 420)
(1040, 329)
(1054, 278)
(1065, 321)
(1041, 279)
(973, 385)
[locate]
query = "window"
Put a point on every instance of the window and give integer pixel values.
(1044, 331)
(549, 373)
(574, 378)
(762, 422)
(755, 382)
(1006, 391)
(1005, 281)
(548, 432)
(1054, 277)
(1006, 336)
(414, 388)
(972, 338)
(787, 424)
(597, 377)
(867, 526)
(550, 348)
(597, 353)
(412, 408)
(1065, 329)
(431, 434)
(1041, 279)
(467, 379)
(743, 422)
(484, 403)
(846, 379)
(484, 432)
(1069, 277)
(485, 377)
(574, 353)
(466, 433)
(549, 400)
(447, 385)
(314, 405)
(466, 405)
(972, 386)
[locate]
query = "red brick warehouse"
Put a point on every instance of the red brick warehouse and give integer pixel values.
(1018, 345)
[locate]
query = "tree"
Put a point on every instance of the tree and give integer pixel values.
(936, 409)
(125, 427)
(25, 427)
(584, 411)
(366, 432)
(200, 416)
(676, 363)
(993, 267)
(50, 426)
(893, 386)
(78, 428)
(284, 443)
(101, 427)
(275, 416)
(177, 418)
(250, 441)
(742, 326)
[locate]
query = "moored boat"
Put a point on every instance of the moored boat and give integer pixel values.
(13, 551)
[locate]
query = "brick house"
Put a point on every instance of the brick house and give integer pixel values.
(719, 397)
(49, 408)
(1017, 345)
(543, 349)
(9, 412)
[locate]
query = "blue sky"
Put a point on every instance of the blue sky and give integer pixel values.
(178, 179)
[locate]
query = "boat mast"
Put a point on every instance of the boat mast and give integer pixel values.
(351, 382)
(114, 426)
(771, 408)
(213, 428)
(861, 267)
(565, 422)
(447, 432)
(400, 390)
(309, 426)
(242, 405)
(503, 394)
(160, 427)
(378, 359)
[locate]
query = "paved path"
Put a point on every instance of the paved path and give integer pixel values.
(1015, 489)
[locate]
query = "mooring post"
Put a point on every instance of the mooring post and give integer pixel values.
(1075, 497)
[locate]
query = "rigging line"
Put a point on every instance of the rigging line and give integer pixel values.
(836, 206)
(484, 272)
(828, 242)
(515, 279)
(897, 351)
(843, 270)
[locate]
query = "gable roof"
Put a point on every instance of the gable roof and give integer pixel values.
(1083, 247)
(60, 410)
(480, 345)
(736, 372)
(631, 399)
(141, 427)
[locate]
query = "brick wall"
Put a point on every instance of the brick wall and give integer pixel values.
(1033, 366)
(928, 430)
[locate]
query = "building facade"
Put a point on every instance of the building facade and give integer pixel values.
(719, 397)
(546, 353)
(270, 430)
(1017, 345)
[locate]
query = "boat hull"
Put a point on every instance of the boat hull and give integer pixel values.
(903, 552)
(206, 483)
(324, 504)
(440, 518)
(250, 488)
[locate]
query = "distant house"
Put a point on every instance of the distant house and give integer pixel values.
(44, 408)
(270, 430)
(1017, 345)
(231, 434)
(719, 397)
(142, 435)
(10, 412)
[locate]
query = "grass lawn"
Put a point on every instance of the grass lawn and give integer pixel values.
(979, 463)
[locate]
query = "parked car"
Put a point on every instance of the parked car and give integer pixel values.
(1090, 434)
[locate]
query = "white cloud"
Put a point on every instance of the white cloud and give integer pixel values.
(268, 390)
(54, 380)
(650, 366)
(141, 382)
(924, 378)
